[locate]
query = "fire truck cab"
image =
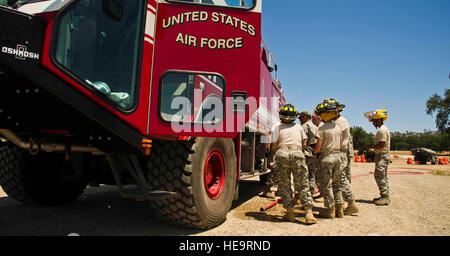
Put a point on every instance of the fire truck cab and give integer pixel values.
(174, 101)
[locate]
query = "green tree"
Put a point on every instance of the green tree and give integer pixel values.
(361, 138)
(436, 141)
(442, 106)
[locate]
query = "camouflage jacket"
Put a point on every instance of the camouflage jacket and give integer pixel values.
(311, 132)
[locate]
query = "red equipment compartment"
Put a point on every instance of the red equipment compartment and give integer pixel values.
(205, 40)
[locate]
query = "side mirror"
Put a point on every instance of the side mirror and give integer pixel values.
(113, 9)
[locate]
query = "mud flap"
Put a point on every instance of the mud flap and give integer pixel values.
(21, 37)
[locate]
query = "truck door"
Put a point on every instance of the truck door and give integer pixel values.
(206, 64)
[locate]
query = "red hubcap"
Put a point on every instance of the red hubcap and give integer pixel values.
(214, 173)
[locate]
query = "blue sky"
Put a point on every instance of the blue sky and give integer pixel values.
(367, 54)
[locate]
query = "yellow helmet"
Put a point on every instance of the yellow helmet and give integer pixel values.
(325, 107)
(339, 106)
(377, 114)
(327, 110)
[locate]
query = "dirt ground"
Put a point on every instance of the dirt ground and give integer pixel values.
(420, 206)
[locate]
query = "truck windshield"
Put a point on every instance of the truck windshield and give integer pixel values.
(99, 43)
(230, 3)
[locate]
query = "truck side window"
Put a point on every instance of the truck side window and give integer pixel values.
(101, 47)
(192, 98)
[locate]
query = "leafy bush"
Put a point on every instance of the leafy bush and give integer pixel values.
(436, 141)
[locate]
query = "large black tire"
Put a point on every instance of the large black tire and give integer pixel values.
(31, 180)
(180, 166)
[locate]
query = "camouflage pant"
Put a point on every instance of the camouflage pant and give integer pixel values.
(347, 193)
(289, 162)
(380, 174)
(347, 168)
(330, 178)
(312, 169)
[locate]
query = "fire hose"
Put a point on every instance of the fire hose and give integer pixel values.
(279, 200)
(390, 172)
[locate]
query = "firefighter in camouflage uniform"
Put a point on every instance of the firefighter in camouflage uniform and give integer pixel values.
(327, 149)
(290, 160)
(311, 131)
(346, 154)
(382, 154)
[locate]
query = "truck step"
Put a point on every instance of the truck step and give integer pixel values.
(148, 195)
(247, 175)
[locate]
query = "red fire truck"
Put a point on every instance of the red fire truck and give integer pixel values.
(173, 101)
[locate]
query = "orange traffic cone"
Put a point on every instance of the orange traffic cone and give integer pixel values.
(440, 162)
(358, 159)
(409, 161)
(363, 159)
(445, 160)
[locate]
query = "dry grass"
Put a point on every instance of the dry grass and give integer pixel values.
(398, 152)
(440, 172)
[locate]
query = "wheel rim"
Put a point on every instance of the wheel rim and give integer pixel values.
(214, 173)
